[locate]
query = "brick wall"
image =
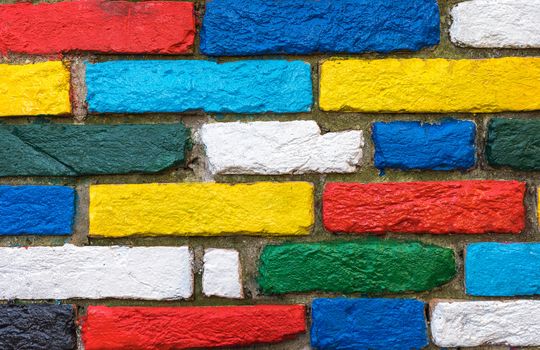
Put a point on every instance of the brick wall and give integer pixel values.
(293, 174)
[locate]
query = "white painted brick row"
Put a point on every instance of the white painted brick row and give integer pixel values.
(222, 275)
(274, 148)
(496, 23)
(153, 273)
(476, 323)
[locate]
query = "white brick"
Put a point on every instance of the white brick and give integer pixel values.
(153, 273)
(476, 323)
(222, 274)
(496, 23)
(280, 148)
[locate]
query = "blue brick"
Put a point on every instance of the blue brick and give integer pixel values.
(36, 210)
(177, 86)
(448, 145)
(502, 269)
(248, 27)
(370, 324)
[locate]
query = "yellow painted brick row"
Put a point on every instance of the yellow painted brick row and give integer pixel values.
(34, 89)
(201, 209)
(430, 85)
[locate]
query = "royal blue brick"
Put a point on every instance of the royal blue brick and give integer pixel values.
(247, 27)
(370, 324)
(36, 210)
(256, 86)
(502, 269)
(405, 145)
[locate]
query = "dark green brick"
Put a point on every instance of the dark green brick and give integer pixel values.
(370, 266)
(514, 143)
(71, 150)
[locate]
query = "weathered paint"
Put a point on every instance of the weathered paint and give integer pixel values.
(250, 27)
(222, 273)
(157, 328)
(502, 269)
(477, 323)
(201, 209)
(253, 86)
(368, 324)
(99, 26)
(430, 85)
(37, 327)
(496, 23)
(514, 143)
(473, 207)
(70, 150)
(36, 210)
(280, 148)
(65, 272)
(372, 266)
(34, 89)
(448, 145)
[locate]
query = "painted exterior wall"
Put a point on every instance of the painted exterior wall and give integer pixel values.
(288, 174)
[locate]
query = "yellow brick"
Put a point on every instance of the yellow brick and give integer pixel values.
(431, 85)
(201, 209)
(34, 89)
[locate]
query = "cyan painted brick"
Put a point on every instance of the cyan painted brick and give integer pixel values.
(246, 27)
(256, 86)
(36, 210)
(370, 324)
(405, 145)
(502, 269)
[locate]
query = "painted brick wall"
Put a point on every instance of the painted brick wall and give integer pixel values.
(269, 174)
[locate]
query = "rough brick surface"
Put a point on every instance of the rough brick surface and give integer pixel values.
(99, 26)
(430, 85)
(279, 148)
(68, 271)
(514, 143)
(157, 328)
(37, 327)
(368, 324)
(201, 209)
(476, 323)
(36, 210)
(447, 145)
(502, 269)
(176, 86)
(70, 150)
(222, 274)
(473, 207)
(34, 89)
(496, 23)
(250, 27)
(373, 266)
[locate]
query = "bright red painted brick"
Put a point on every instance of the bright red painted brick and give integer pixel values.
(425, 207)
(160, 27)
(153, 328)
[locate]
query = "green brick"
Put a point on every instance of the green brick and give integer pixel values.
(370, 266)
(514, 143)
(71, 150)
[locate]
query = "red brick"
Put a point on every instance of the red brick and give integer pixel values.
(153, 328)
(425, 207)
(160, 27)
